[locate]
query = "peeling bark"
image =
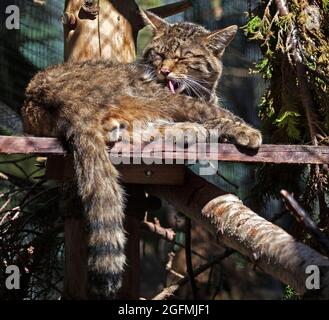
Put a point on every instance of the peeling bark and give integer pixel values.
(270, 247)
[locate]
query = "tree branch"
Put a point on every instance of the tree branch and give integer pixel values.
(171, 290)
(171, 9)
(303, 217)
(165, 233)
(273, 250)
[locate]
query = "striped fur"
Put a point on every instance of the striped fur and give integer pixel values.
(102, 199)
(83, 102)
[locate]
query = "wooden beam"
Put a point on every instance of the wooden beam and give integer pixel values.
(90, 36)
(293, 154)
(30, 145)
(171, 9)
(61, 169)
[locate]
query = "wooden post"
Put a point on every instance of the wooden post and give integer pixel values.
(108, 32)
(75, 241)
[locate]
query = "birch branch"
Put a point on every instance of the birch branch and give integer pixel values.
(237, 227)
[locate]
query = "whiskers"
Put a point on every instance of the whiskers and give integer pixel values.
(148, 71)
(192, 86)
(197, 87)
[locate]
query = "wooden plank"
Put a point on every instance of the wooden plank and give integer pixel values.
(30, 145)
(61, 169)
(294, 154)
(152, 174)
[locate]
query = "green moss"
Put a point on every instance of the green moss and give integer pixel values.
(282, 109)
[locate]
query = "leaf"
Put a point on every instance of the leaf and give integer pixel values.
(289, 122)
(253, 25)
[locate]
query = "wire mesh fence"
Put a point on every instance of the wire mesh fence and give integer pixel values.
(36, 44)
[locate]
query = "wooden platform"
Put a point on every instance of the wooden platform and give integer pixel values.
(295, 154)
(160, 164)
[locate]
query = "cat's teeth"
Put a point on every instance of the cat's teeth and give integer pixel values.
(171, 87)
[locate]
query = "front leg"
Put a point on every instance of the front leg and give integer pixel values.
(235, 131)
(228, 126)
(182, 134)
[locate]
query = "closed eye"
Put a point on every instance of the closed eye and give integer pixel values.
(159, 56)
(190, 57)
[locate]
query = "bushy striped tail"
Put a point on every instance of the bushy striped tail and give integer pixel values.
(102, 200)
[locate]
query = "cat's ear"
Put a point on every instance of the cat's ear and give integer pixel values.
(153, 20)
(218, 40)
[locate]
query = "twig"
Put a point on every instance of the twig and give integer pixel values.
(3, 207)
(188, 257)
(165, 233)
(171, 290)
(3, 176)
(175, 273)
(303, 217)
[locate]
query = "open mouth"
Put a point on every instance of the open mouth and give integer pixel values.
(174, 86)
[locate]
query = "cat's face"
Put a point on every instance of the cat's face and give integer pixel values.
(186, 57)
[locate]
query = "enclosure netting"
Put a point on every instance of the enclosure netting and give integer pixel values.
(37, 44)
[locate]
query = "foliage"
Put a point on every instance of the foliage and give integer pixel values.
(31, 230)
(283, 98)
(287, 113)
(289, 294)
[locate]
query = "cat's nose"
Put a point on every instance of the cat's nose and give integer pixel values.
(165, 71)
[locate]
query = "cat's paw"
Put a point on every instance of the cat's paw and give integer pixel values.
(249, 138)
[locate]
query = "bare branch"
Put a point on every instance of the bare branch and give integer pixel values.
(165, 233)
(188, 257)
(171, 290)
(303, 217)
(171, 9)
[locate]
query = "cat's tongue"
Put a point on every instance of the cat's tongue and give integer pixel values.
(171, 87)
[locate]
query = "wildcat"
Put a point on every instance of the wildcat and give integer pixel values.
(174, 83)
